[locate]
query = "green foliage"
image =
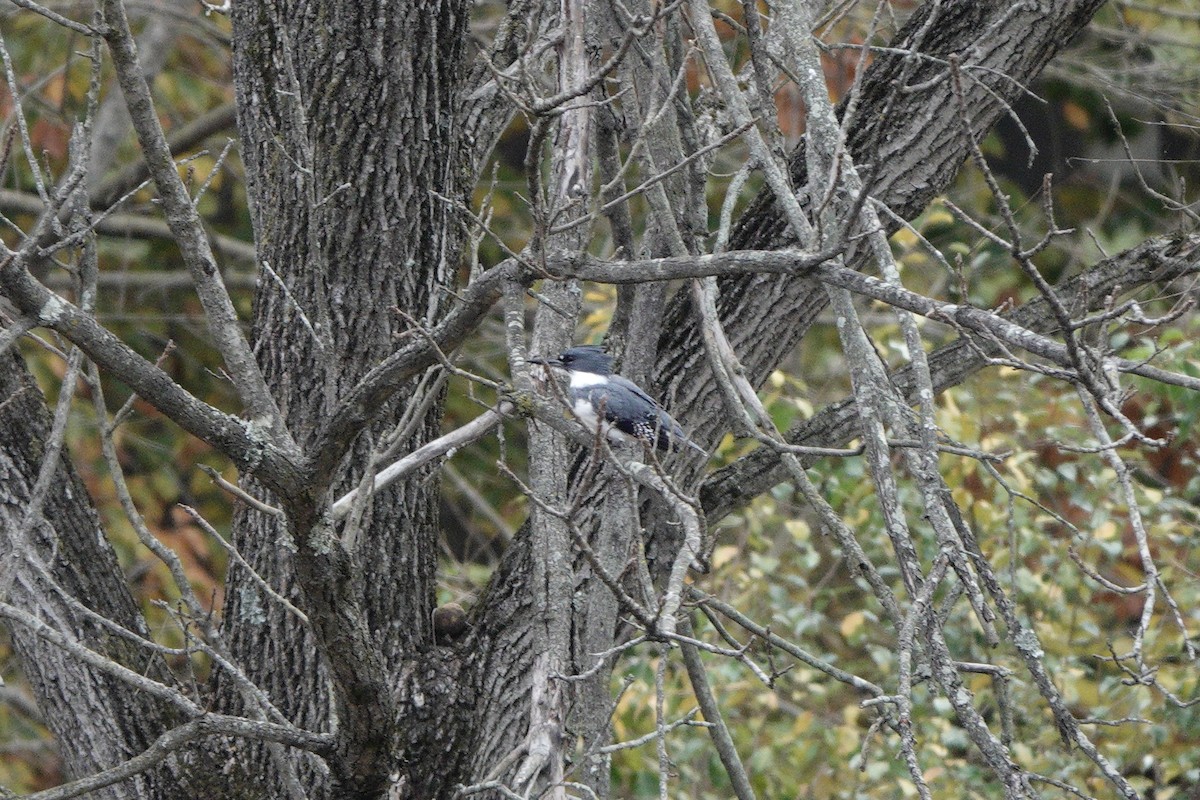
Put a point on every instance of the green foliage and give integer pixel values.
(808, 736)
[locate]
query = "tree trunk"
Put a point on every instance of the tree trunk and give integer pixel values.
(346, 116)
(59, 556)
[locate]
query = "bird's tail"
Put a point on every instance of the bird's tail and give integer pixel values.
(679, 440)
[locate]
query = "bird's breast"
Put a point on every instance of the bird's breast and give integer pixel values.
(585, 412)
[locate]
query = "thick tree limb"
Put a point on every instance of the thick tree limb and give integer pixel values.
(901, 136)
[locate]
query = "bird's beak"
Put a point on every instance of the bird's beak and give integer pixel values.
(546, 362)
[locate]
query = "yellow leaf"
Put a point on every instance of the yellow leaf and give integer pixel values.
(803, 406)
(1076, 115)
(597, 294)
(54, 88)
(858, 518)
(938, 215)
(905, 238)
(848, 741)
(949, 404)
(851, 623)
(723, 555)
(799, 529)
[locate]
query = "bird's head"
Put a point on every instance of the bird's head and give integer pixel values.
(585, 358)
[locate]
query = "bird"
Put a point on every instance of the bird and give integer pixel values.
(628, 412)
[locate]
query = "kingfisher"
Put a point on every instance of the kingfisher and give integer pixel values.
(629, 413)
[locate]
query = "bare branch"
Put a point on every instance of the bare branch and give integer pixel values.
(99, 662)
(130, 225)
(431, 451)
(249, 447)
(187, 229)
(718, 730)
(177, 738)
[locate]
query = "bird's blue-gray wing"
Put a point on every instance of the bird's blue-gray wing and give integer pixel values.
(637, 414)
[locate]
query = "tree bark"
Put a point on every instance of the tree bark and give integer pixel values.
(346, 116)
(97, 720)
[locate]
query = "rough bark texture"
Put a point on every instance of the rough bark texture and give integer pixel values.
(346, 120)
(98, 721)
